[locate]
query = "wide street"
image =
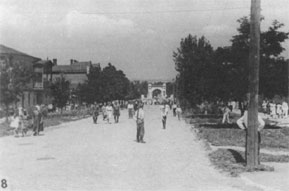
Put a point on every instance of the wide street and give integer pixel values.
(83, 156)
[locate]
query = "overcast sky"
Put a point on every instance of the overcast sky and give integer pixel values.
(137, 36)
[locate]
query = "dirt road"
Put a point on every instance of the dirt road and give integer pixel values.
(84, 156)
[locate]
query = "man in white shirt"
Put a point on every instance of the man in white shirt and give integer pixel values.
(243, 124)
(139, 117)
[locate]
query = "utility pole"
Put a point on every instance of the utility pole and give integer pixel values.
(287, 64)
(254, 62)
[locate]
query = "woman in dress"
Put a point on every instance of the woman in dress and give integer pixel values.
(109, 111)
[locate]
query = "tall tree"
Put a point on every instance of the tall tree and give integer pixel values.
(193, 61)
(233, 61)
(114, 83)
(60, 92)
(104, 85)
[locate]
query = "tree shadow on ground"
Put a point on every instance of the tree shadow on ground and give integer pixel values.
(203, 116)
(237, 156)
(220, 126)
(233, 126)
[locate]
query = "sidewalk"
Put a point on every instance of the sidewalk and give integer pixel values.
(276, 180)
(271, 181)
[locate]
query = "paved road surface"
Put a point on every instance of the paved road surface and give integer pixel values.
(84, 156)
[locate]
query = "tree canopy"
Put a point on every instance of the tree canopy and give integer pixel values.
(222, 74)
(60, 91)
(104, 85)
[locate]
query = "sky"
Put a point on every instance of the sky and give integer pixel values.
(137, 36)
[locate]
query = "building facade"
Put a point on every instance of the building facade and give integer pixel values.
(32, 91)
(76, 72)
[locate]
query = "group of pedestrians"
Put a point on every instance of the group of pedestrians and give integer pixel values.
(109, 111)
(139, 117)
(21, 121)
(275, 110)
(135, 111)
(165, 107)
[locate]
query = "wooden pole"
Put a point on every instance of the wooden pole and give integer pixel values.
(254, 60)
(287, 80)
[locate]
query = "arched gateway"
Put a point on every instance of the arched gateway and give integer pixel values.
(157, 90)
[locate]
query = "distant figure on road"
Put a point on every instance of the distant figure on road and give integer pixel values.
(139, 117)
(164, 113)
(179, 111)
(135, 106)
(109, 111)
(104, 113)
(130, 110)
(243, 124)
(95, 113)
(174, 109)
(37, 120)
(15, 123)
(116, 112)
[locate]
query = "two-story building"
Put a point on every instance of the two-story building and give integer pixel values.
(31, 95)
(44, 73)
(76, 72)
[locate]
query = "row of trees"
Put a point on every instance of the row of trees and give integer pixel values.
(222, 74)
(103, 85)
(109, 84)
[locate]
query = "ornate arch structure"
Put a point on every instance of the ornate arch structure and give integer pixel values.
(152, 87)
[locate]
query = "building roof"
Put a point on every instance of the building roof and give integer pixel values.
(87, 63)
(43, 62)
(4, 50)
(80, 67)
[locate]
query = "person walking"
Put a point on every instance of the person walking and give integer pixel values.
(95, 113)
(164, 113)
(139, 117)
(243, 124)
(174, 109)
(116, 112)
(130, 110)
(37, 120)
(179, 111)
(15, 123)
(109, 111)
(226, 115)
(104, 113)
(135, 106)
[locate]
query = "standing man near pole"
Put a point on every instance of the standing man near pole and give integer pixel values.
(243, 124)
